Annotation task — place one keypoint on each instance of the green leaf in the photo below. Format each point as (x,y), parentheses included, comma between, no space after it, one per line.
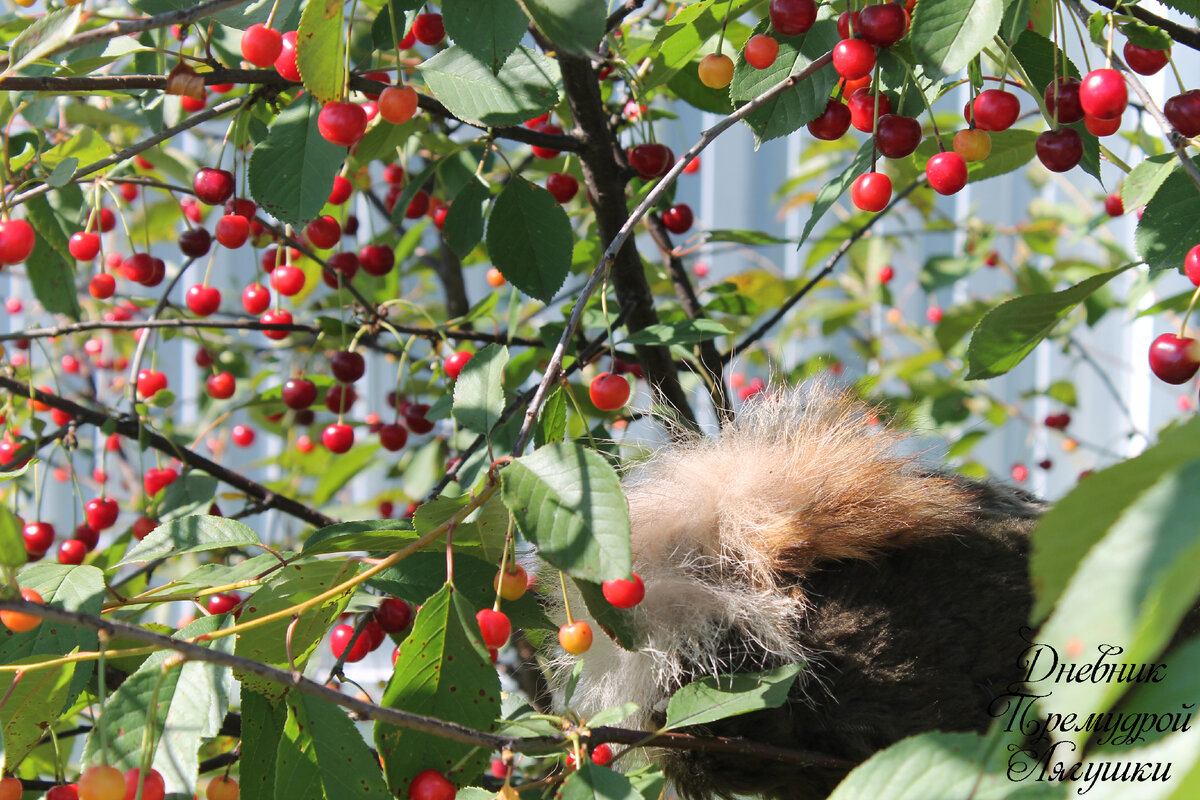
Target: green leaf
(33,701)
(684,332)
(591,782)
(442,670)
(617,623)
(342,469)
(192,699)
(185,496)
(244,15)
(413,185)
(745,237)
(576,26)
(50,268)
(710,699)
(292,171)
(297,776)
(687,87)
(1011,150)
(798,105)
(43,36)
(530,240)
(371,535)
(1038,56)
(1170,226)
(526,86)
(488,31)
(1132,589)
(683,36)
(834,189)
(1143,181)
(61,175)
(942,271)
(321,60)
(1011,330)
(1146,36)
(1077,522)
(288,587)
(945,766)
(479,390)
(262,729)
(946,34)
(551,427)
(12,543)
(567,499)
(194,534)
(345,767)
(463,226)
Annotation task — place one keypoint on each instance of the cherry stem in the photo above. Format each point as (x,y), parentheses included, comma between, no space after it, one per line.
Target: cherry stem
(271,16)
(721,38)
(1188,313)
(508,537)
(562,580)
(937,135)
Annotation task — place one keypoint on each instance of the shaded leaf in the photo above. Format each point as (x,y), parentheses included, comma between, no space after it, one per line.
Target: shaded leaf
(50,268)
(32,703)
(479,390)
(530,239)
(710,699)
(1170,226)
(488,31)
(366,534)
(685,332)
(463,226)
(946,34)
(576,26)
(292,170)
(526,86)
(194,534)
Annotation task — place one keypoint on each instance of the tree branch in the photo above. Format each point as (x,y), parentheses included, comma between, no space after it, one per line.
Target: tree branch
(130,428)
(1179,33)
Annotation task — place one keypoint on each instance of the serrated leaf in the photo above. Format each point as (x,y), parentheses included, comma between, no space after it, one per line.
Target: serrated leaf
(1144,180)
(591,782)
(526,86)
(1170,226)
(292,171)
(12,543)
(442,670)
(710,699)
(262,729)
(42,37)
(831,191)
(463,226)
(551,427)
(1010,332)
(489,31)
(567,499)
(257,12)
(946,34)
(33,701)
(295,583)
(192,699)
(321,50)
(194,534)
(50,269)
(798,105)
(345,767)
(684,332)
(576,26)
(348,465)
(186,495)
(61,174)
(297,776)
(479,390)
(530,239)
(367,534)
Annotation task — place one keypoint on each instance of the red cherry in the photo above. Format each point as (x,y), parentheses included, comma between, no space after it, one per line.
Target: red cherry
(338,438)
(1060,150)
(934,314)
(143,527)
(1174,359)
(72,551)
(203,300)
(288,280)
(418,205)
(242,435)
(609,392)
(650,160)
(195,242)
(1020,473)
(414,418)
(886,273)
(494,626)
(339,398)
(455,363)
(101,512)
(376,259)
(624,592)
(324,232)
(150,382)
(1062,100)
(882,24)
(221,385)
(343,124)
(1101,127)
(431,785)
(946,173)
(429,29)
(341,191)
(847,24)
(347,366)
(88,535)
(792,17)
(84,246)
(233,230)
(38,536)
(562,186)
(1145,61)
(339,641)
(853,58)
(1113,205)
(213,186)
(394,615)
(761,51)
(393,437)
(285,65)
(299,393)
(678,218)
(575,637)
(897,136)
(862,109)
(1102,94)
(155,479)
(1191,265)
(255,298)
(69,791)
(17,239)
(102,286)
(222,602)
(546,152)
(1183,112)
(871,192)
(996,109)
(833,122)
(1058,421)
(261,45)
(189,104)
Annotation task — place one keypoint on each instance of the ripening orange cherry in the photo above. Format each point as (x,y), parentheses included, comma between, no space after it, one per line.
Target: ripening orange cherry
(575,637)
(495,278)
(398,104)
(973,144)
(715,70)
(512,582)
(101,782)
(19,622)
(222,787)
(11,788)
